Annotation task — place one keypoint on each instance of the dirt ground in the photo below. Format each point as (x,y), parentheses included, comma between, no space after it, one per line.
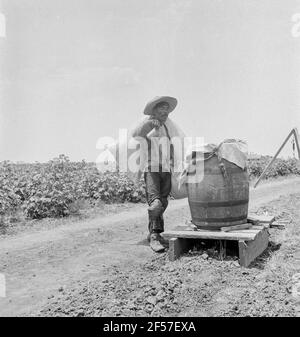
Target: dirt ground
(103,266)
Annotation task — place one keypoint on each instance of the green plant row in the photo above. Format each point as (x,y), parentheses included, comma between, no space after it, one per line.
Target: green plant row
(281,167)
(49,189)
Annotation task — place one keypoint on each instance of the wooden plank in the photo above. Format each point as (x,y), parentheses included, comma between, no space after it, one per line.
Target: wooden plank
(250,250)
(236,227)
(245,231)
(278,225)
(261,218)
(177,247)
(189,227)
(215,235)
(258,226)
(252,221)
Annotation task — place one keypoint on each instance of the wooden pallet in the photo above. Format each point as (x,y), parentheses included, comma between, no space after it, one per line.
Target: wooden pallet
(251,242)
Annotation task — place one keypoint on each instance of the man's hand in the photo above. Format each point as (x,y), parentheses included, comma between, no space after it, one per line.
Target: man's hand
(156,123)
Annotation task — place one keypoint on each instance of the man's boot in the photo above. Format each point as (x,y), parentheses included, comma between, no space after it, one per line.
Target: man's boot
(154,212)
(155,242)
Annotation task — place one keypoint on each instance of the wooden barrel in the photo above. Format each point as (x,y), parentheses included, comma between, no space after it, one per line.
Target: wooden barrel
(219,200)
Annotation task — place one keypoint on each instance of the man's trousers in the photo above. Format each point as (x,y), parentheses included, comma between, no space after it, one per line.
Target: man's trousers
(158,187)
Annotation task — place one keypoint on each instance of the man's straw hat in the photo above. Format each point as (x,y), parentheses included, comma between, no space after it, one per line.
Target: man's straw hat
(158,99)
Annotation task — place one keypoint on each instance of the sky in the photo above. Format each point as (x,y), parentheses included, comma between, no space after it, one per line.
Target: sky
(72,71)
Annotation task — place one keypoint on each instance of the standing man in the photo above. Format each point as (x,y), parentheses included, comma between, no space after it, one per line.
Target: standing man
(157,171)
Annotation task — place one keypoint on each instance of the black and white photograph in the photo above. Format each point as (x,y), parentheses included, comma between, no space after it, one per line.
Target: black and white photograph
(149,161)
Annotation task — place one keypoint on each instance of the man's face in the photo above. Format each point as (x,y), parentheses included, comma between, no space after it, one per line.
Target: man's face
(161,112)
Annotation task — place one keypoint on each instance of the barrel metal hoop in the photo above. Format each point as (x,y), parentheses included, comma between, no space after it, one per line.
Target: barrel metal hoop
(208,220)
(220,203)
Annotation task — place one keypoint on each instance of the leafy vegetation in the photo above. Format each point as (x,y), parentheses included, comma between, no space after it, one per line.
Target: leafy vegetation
(50,189)
(279,168)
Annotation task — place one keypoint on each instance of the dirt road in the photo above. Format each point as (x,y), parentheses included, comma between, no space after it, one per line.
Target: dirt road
(48,266)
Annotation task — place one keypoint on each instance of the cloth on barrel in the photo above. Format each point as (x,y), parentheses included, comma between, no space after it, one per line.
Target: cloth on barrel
(235,151)
(232,150)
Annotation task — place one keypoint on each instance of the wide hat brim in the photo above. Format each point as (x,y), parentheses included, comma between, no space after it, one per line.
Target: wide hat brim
(172,101)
